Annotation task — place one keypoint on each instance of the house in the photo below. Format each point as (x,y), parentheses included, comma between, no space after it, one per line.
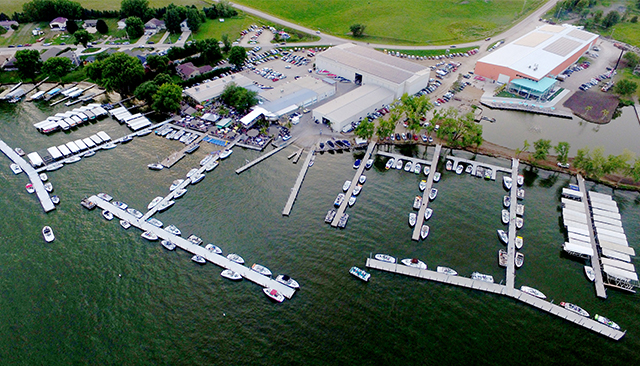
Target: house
(122,23)
(57,52)
(91,23)
(189,70)
(6,24)
(154,25)
(58,23)
(184,27)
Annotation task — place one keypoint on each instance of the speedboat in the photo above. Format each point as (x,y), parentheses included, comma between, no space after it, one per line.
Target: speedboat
(507,182)
(73,159)
(207,159)
(446,270)
(468,169)
(135,213)
(519,259)
(175,184)
(196,178)
(412,219)
(105,196)
(479,172)
(427,213)
(427,170)
(520,179)
(179,192)
(459,169)
(436,177)
(519,222)
(165,205)
(154,202)
(505,216)
(198,259)
(390,163)
(520,193)
(520,209)
(43,177)
(414,262)
(120,205)
(416,168)
(362,179)
(55,199)
(235,258)
(331,145)
(193,239)
(369,164)
(482,277)
(342,223)
(47,232)
(422,185)
(173,230)
(339,200)
(506,201)
(108,146)
(352,201)
(321,145)
(107,215)
(503,236)
(225,153)
(357,189)
(346,185)
(155,222)
(54,166)
(273,294)
(19,151)
(590,273)
(288,281)
(89,154)
(29,188)
(502,258)
(385,258)
(433,193)
(424,231)
(125,224)
(575,308)
(519,242)
(346,143)
(231,275)
(357,163)
(407,166)
(417,202)
(330,215)
(192,172)
(448,165)
(15,168)
(143,133)
(213,248)
(533,292)
(48,187)
(359,273)
(398,164)
(126,139)
(168,245)
(86,203)
(607,322)
(155,166)
(261,269)
(487,173)
(149,236)
(210,166)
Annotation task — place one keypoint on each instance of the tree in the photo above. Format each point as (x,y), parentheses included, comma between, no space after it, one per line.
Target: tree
(612,18)
(45,10)
(118,72)
(365,129)
(225,9)
(357,29)
(158,63)
(632,59)
(146,91)
(173,17)
(562,150)
(227,43)
(168,98)
(82,36)
(635,170)
(57,67)
(135,8)
(71,26)
(414,109)
(238,97)
(162,79)
(387,126)
(597,16)
(28,63)
(102,27)
(459,131)
(237,56)
(134,28)
(582,161)
(625,87)
(541,147)
(194,18)
(210,51)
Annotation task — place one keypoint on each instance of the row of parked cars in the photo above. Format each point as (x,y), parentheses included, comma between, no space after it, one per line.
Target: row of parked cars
(436,57)
(297,60)
(595,81)
(269,73)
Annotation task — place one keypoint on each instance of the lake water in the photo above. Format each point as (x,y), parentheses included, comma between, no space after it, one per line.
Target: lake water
(102,295)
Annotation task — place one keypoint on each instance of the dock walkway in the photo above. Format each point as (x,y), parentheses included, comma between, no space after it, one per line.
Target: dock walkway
(511,246)
(187,246)
(425,195)
(178,155)
(265,156)
(347,194)
(404,158)
(475,164)
(551,308)
(296,187)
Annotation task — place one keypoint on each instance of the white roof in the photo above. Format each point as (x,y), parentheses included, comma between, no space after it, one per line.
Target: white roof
(616,255)
(89,142)
(571,193)
(213,88)
(35,159)
(54,152)
(569,247)
(351,103)
(103,135)
(618,264)
(251,116)
(540,51)
(619,273)
(64,150)
(80,144)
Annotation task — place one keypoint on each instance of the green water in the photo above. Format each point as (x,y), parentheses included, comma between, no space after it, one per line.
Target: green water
(101,295)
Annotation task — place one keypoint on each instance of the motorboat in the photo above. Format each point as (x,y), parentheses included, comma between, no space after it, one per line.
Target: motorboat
(487,173)
(575,308)
(261,269)
(173,230)
(433,193)
(417,202)
(213,248)
(179,192)
(448,165)
(414,262)
(125,224)
(357,189)
(120,205)
(29,188)
(104,196)
(43,177)
(330,215)
(506,201)
(502,258)
(369,164)
(436,177)
(273,294)
(446,270)
(88,154)
(424,231)
(533,292)
(149,236)
(288,281)
(507,182)
(412,219)
(15,168)
(225,153)
(519,242)
(427,170)
(47,232)
(459,169)
(416,168)
(342,223)
(126,139)
(520,209)
(590,273)
(385,258)
(482,277)
(607,322)
(359,273)
(196,178)
(362,179)
(479,172)
(519,222)
(154,202)
(331,145)
(211,165)
(135,213)
(357,163)
(108,146)
(73,159)
(107,215)
(321,146)
(198,259)
(235,258)
(88,204)
(407,166)
(520,180)
(54,166)
(399,164)
(352,201)
(193,239)
(504,237)
(208,158)
(519,259)
(390,163)
(468,169)
(231,275)
(192,172)
(165,205)
(55,199)
(143,133)
(520,193)
(175,184)
(48,187)
(168,245)
(155,166)
(339,200)
(346,185)
(155,222)
(505,216)
(346,143)
(427,213)
(422,185)
(19,151)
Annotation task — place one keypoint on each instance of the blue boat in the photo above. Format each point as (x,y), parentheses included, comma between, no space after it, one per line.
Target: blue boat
(357,163)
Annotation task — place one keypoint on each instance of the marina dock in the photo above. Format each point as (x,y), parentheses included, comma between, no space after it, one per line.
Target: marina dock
(511,244)
(475,164)
(349,192)
(172,159)
(404,158)
(265,156)
(495,288)
(425,195)
(187,246)
(296,187)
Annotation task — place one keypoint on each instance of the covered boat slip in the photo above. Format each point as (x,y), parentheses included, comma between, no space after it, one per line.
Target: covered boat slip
(73,147)
(615,255)
(71,118)
(89,142)
(606,227)
(64,150)
(613,239)
(609,214)
(619,264)
(607,220)
(573,205)
(578,250)
(54,152)
(35,159)
(606,206)
(96,139)
(617,247)
(80,144)
(568,215)
(570,193)
(103,135)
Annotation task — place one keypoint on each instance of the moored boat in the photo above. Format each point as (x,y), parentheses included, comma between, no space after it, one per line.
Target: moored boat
(273,294)
(330,215)
(104,196)
(533,292)
(213,248)
(459,169)
(231,275)
(385,258)
(448,165)
(446,270)
(19,151)
(390,163)
(412,219)
(590,273)
(48,187)
(436,177)
(107,215)
(342,223)
(575,308)
(198,259)
(192,172)
(519,222)
(173,230)
(288,281)
(607,322)
(155,222)
(357,163)
(519,242)
(487,173)
(352,201)
(15,168)
(346,185)
(155,166)
(468,169)
(414,262)
(520,193)
(54,166)
(29,188)
(520,179)
(479,172)
(416,168)
(339,199)
(417,202)
(179,192)
(357,189)
(506,201)
(507,182)
(165,205)
(359,273)
(149,236)
(135,213)
(210,166)
(505,216)
(369,164)
(196,178)
(193,239)
(168,245)
(502,258)
(88,154)
(86,203)
(424,231)
(427,170)
(433,193)
(407,166)
(519,209)
(154,202)
(73,159)
(235,258)
(427,213)
(482,277)
(55,199)
(261,269)
(504,238)
(120,205)
(43,177)
(362,179)
(175,184)
(422,185)
(399,164)
(225,153)
(519,259)
(47,232)
(125,224)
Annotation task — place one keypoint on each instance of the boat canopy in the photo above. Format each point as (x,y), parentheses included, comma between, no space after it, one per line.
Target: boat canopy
(619,264)
(80,144)
(64,150)
(89,142)
(96,139)
(620,273)
(615,255)
(617,247)
(103,135)
(35,159)
(606,220)
(73,147)
(600,196)
(577,250)
(54,152)
(572,194)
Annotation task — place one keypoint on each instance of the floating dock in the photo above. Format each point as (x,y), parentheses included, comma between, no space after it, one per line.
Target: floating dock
(425,196)
(296,187)
(265,156)
(475,164)
(172,159)
(511,243)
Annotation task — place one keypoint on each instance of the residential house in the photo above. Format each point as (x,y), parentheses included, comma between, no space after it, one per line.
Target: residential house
(154,25)
(184,27)
(122,23)
(6,24)
(189,70)
(90,23)
(58,23)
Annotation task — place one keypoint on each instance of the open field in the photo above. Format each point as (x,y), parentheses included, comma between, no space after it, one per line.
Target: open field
(11,6)
(438,52)
(230,26)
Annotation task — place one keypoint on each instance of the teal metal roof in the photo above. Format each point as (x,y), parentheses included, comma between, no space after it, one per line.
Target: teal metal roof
(536,86)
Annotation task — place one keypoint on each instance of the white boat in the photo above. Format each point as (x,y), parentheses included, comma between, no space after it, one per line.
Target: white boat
(446,270)
(519,259)
(273,294)
(55,199)
(399,164)
(357,189)
(235,258)
(107,215)
(165,205)
(519,242)
(54,166)
(507,182)
(104,196)
(196,178)
(120,205)
(342,223)
(225,153)
(47,232)
(482,277)
(468,169)
(198,259)
(362,179)
(385,258)
(43,177)
(520,209)
(390,163)
(436,177)
(19,151)
(487,173)
(369,164)
(149,236)
(506,201)
(231,275)
(427,213)
(459,169)
(352,201)
(590,273)
(356,164)
(575,308)
(414,262)
(520,193)
(427,170)
(433,193)
(505,216)
(288,281)
(210,166)
(504,238)
(175,184)
(213,248)
(422,185)
(155,166)
(412,219)
(520,179)
(359,273)
(88,154)
(194,239)
(125,224)
(74,159)
(502,258)
(155,222)
(339,199)
(154,202)
(416,168)
(448,165)
(417,202)
(168,245)
(135,213)
(208,158)
(330,215)
(173,230)
(179,192)
(192,172)
(346,185)
(108,146)
(407,166)
(607,322)
(424,231)
(519,222)
(533,292)
(48,187)
(29,188)
(15,168)
(261,269)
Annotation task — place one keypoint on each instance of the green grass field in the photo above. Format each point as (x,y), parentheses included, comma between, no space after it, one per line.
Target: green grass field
(442,51)
(231,26)
(11,6)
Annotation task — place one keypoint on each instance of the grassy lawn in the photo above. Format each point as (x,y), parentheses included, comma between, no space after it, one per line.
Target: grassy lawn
(439,52)
(627,74)
(11,6)
(212,28)
(156,37)
(173,38)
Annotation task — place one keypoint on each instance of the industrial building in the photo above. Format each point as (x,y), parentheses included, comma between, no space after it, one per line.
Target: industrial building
(206,92)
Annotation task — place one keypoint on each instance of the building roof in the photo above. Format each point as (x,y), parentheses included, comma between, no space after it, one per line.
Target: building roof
(213,89)
(186,69)
(347,105)
(59,20)
(8,23)
(91,22)
(537,86)
(540,51)
(291,95)
(153,22)
(373,62)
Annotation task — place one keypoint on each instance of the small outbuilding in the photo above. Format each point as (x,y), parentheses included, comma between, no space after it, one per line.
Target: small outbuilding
(58,23)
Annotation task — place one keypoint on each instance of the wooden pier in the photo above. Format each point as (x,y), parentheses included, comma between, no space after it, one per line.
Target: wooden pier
(404,158)
(263,157)
(498,289)
(349,191)
(296,187)
(178,155)
(475,164)
(186,245)
(425,195)
(511,246)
